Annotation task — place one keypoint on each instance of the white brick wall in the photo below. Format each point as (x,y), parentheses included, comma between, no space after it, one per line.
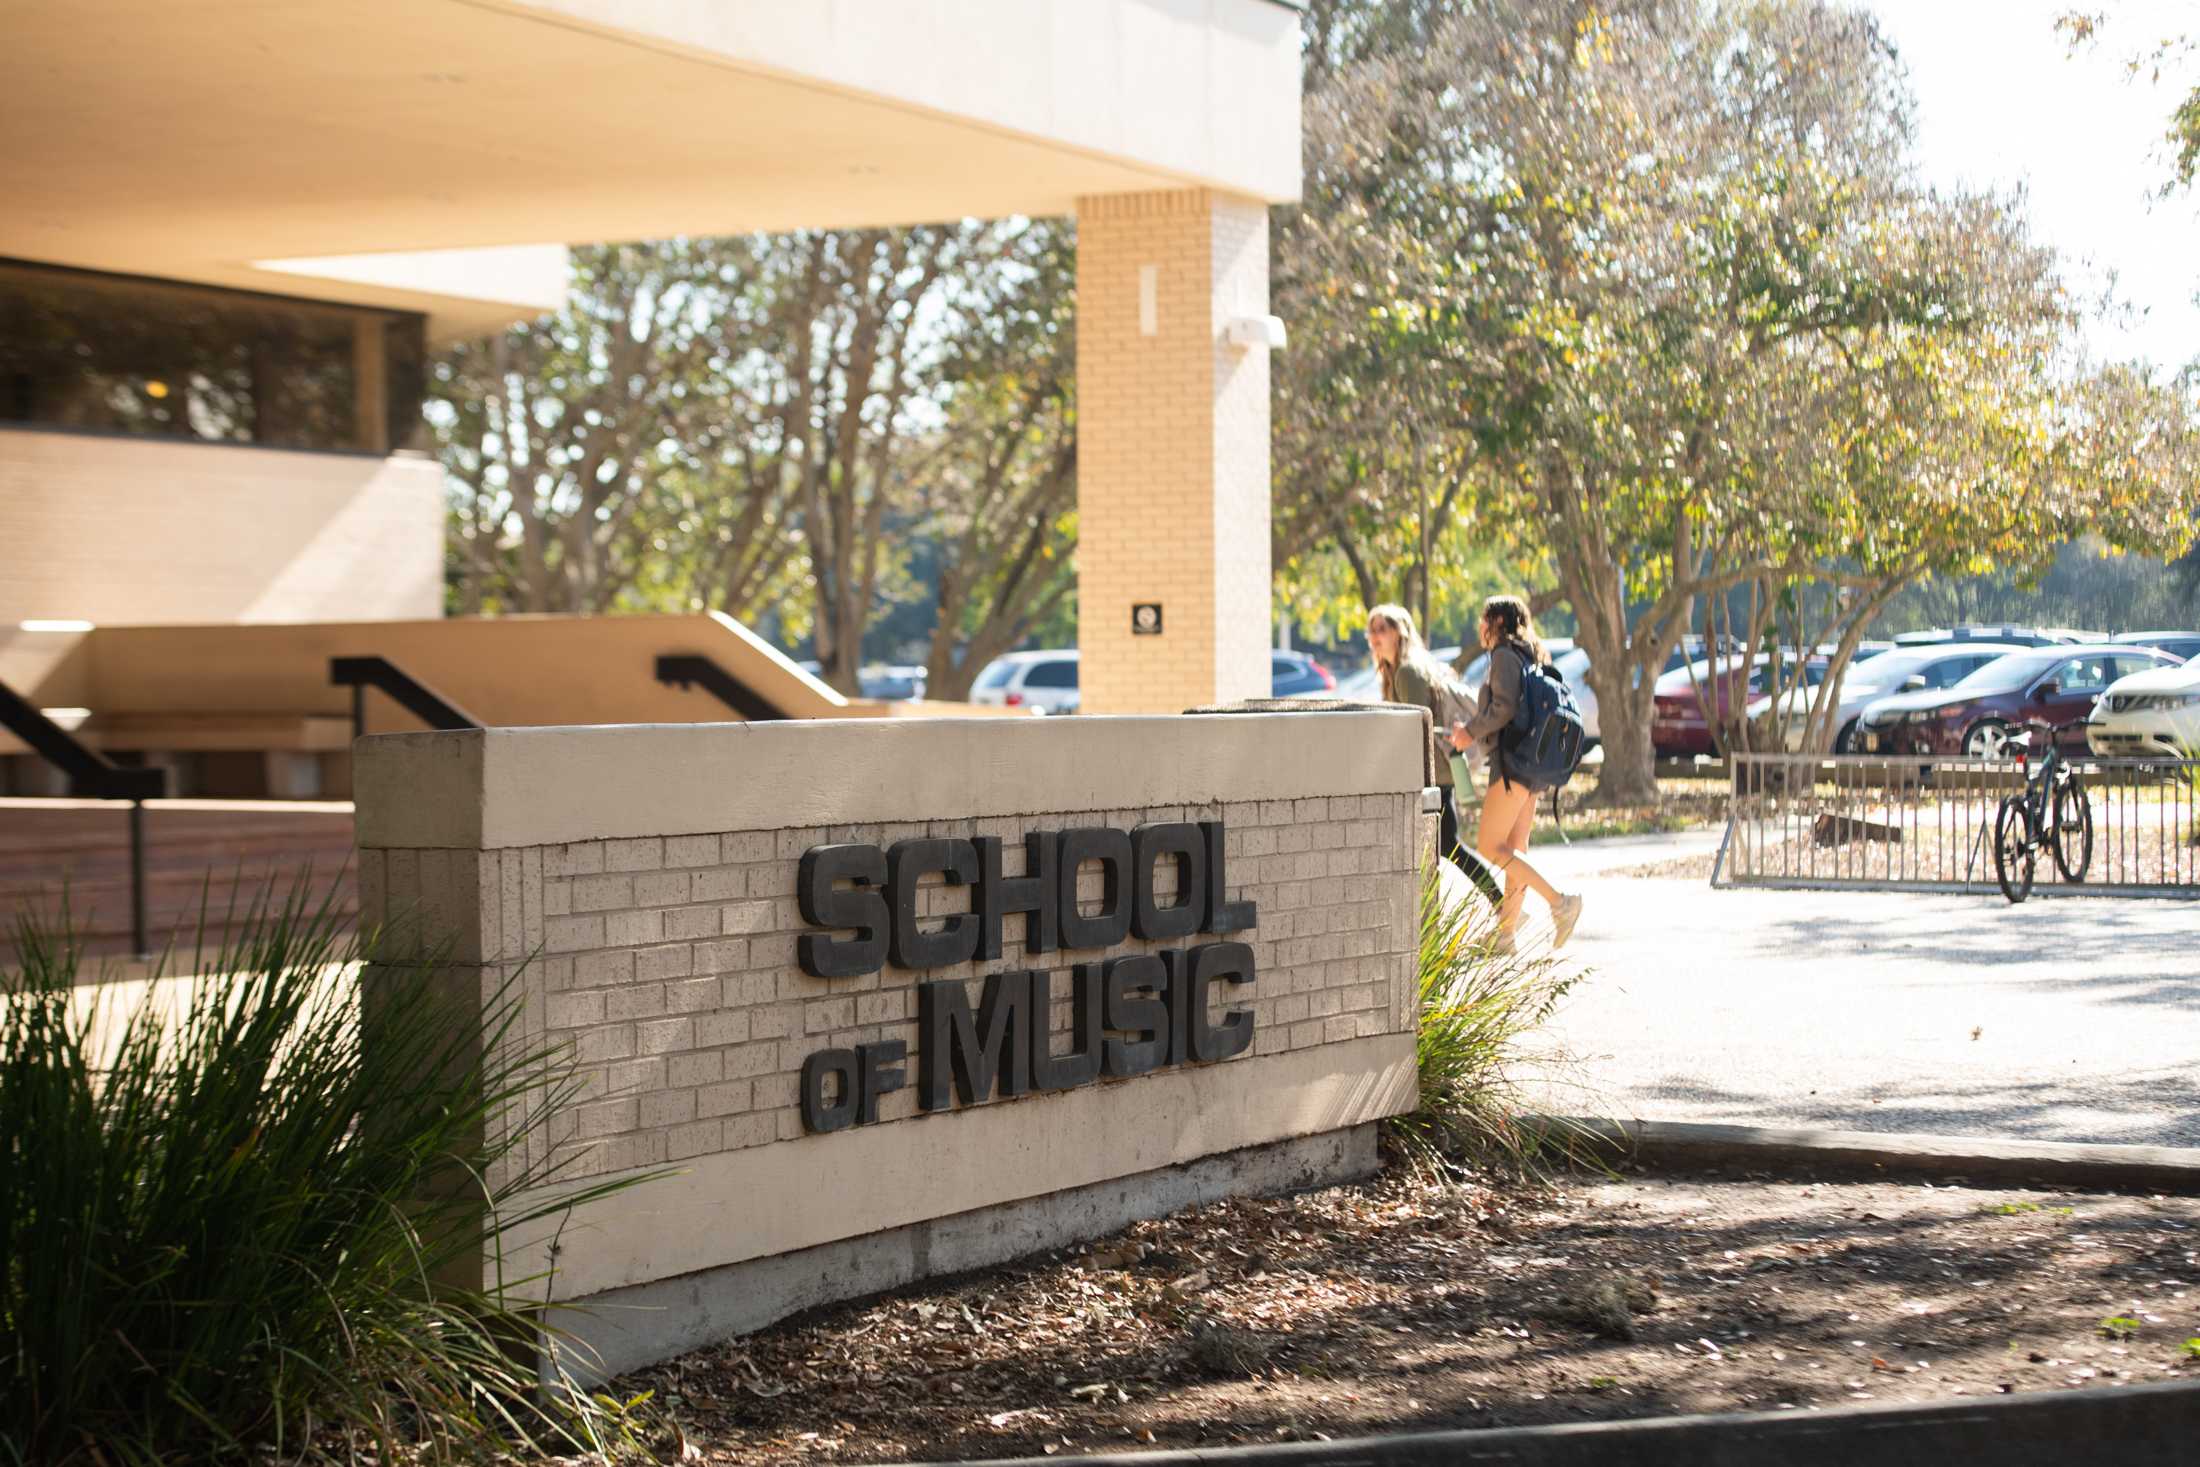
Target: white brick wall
(668,962)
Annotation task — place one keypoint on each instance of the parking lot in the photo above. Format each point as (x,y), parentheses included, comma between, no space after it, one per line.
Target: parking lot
(2073,1019)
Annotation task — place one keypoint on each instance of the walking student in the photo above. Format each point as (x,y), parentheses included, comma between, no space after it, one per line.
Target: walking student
(1508,804)
(1412,675)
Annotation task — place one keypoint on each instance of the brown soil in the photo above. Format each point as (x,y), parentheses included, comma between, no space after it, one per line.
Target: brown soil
(1402,1305)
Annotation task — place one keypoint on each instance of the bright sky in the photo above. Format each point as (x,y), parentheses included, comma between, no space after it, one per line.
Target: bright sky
(2002,101)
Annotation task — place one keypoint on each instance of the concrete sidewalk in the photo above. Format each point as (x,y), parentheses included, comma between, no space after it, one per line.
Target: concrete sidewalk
(1563,863)
(2069,1020)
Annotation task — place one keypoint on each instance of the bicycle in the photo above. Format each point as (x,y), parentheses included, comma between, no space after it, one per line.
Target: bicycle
(2053,810)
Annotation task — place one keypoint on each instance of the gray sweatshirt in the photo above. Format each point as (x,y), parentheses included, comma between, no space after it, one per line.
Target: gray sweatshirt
(1499,697)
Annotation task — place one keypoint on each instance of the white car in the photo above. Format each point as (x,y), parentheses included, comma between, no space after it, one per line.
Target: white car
(1905,670)
(2185,645)
(1366,685)
(2149,715)
(1046,681)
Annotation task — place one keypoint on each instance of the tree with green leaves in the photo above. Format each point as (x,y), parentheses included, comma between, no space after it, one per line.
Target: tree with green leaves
(2172,57)
(1374,452)
(768,424)
(610,456)
(1686,324)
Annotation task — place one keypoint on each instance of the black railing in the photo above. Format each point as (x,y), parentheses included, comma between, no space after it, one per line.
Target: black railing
(687,669)
(92,776)
(407,691)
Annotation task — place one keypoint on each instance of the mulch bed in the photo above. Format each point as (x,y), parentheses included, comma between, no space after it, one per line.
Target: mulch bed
(1402,1304)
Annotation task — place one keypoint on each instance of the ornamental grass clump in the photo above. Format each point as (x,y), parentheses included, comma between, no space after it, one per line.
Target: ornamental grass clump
(228,1225)
(1478,1005)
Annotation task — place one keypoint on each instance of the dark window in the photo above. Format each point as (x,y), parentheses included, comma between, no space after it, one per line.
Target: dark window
(2128,664)
(1954,670)
(2084,675)
(1061,674)
(116,354)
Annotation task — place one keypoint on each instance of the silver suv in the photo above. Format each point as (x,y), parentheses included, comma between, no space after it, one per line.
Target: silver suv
(1042,680)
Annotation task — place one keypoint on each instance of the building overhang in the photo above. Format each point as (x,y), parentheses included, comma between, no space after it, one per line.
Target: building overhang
(311,149)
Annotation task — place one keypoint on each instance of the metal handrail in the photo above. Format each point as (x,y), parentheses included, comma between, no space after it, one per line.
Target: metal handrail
(689,669)
(411,694)
(92,776)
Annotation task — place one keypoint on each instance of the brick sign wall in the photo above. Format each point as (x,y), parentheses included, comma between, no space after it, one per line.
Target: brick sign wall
(671,961)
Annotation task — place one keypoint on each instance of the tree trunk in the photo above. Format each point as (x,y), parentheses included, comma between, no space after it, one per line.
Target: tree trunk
(1629,773)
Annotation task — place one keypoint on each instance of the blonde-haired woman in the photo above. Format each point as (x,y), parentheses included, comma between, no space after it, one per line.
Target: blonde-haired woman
(1508,808)
(1412,675)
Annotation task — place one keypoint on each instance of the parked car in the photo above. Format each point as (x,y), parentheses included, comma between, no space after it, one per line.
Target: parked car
(2177,644)
(2012,636)
(1690,648)
(1366,685)
(1908,670)
(1678,727)
(891,681)
(1296,675)
(2052,685)
(2153,714)
(1363,686)
(1043,680)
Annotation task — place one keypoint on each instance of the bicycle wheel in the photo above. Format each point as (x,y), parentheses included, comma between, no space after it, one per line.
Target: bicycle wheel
(2015,852)
(2072,836)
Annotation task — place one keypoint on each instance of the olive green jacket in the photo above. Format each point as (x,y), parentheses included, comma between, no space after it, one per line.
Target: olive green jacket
(1445,703)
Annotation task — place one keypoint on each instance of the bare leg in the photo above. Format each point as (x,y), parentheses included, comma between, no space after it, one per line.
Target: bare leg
(1520,870)
(1508,810)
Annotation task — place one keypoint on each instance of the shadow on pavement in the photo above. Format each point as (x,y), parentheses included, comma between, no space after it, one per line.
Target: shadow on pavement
(2161,1107)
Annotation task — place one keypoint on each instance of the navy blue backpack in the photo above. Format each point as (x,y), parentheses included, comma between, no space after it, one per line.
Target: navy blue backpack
(1542,746)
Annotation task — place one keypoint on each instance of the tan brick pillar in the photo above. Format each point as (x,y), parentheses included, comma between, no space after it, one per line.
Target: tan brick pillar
(1172,450)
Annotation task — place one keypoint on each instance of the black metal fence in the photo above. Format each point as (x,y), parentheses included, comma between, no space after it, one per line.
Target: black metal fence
(1927,824)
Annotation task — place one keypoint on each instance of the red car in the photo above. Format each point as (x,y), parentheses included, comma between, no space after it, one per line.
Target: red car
(1678,728)
(2051,685)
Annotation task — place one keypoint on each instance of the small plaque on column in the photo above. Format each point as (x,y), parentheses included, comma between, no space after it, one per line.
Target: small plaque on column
(1146,619)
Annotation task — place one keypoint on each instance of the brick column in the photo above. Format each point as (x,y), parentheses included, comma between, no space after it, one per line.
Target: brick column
(1172,450)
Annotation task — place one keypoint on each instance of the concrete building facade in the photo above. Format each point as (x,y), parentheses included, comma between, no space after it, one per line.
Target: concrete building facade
(426,159)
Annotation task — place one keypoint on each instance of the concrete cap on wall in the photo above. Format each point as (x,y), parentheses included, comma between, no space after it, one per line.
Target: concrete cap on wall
(499,788)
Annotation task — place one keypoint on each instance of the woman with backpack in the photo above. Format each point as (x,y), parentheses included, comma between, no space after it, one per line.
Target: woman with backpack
(1508,804)
(1412,675)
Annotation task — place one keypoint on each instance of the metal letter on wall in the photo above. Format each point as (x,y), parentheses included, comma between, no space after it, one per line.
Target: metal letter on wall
(1035,894)
(1081,1066)
(1112,923)
(1134,1006)
(1150,846)
(957,940)
(974,1055)
(861,907)
(1129,1015)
